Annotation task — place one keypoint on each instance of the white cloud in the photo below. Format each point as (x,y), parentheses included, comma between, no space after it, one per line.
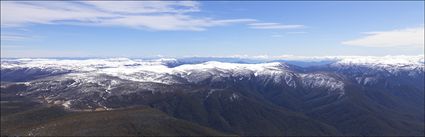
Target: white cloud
(274,26)
(409,37)
(146,6)
(170,22)
(13,37)
(155,15)
(20,13)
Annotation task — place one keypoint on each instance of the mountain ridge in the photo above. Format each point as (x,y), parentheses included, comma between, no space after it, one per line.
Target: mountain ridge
(235,98)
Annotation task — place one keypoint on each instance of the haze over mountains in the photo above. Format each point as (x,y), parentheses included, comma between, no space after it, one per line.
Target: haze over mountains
(217,96)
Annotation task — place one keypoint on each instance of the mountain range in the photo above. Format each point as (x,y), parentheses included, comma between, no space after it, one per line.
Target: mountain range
(349,96)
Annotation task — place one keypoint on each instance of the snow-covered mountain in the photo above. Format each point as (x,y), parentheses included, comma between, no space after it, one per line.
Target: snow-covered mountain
(392,64)
(342,93)
(102,78)
(158,71)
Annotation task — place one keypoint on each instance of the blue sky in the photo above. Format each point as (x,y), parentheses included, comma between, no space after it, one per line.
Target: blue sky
(210,28)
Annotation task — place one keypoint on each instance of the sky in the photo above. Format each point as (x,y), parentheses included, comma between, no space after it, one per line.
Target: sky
(211,28)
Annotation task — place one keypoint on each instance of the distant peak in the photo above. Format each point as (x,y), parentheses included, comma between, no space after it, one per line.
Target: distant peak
(385,60)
